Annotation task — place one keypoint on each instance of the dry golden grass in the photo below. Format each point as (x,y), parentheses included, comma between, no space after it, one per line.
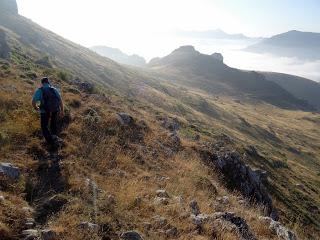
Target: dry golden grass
(130,170)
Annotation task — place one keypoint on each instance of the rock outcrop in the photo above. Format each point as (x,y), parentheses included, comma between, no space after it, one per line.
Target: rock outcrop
(7,169)
(218,56)
(89,226)
(239,176)
(131,235)
(9,6)
(239,224)
(278,229)
(125,119)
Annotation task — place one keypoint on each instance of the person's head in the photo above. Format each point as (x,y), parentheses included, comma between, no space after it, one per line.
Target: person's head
(45,80)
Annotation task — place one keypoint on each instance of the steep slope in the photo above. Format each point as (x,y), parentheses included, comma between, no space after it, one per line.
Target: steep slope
(305,45)
(301,88)
(212,75)
(80,61)
(120,57)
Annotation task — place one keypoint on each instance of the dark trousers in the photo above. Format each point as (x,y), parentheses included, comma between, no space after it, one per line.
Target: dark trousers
(46,131)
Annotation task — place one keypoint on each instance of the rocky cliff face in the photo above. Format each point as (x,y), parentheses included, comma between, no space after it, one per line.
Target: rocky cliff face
(218,56)
(9,6)
(239,176)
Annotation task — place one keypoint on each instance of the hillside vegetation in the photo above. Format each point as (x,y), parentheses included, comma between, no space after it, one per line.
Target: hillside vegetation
(300,87)
(148,150)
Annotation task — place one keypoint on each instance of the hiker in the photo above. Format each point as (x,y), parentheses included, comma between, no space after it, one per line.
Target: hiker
(48,101)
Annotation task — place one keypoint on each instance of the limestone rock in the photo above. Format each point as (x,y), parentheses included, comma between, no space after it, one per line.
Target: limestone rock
(240,224)
(30,222)
(179,199)
(162,193)
(281,231)
(172,232)
(28,210)
(161,200)
(172,125)
(159,222)
(200,219)
(111,200)
(30,233)
(125,119)
(89,226)
(278,229)
(176,141)
(84,85)
(223,200)
(9,170)
(240,176)
(194,207)
(48,234)
(131,235)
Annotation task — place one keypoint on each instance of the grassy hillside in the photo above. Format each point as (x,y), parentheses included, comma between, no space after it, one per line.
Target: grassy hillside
(300,87)
(127,164)
(109,173)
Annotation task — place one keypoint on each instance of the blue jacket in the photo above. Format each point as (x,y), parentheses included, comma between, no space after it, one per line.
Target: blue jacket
(37,97)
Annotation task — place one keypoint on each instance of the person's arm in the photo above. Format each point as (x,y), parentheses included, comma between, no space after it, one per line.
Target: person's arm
(35,99)
(34,105)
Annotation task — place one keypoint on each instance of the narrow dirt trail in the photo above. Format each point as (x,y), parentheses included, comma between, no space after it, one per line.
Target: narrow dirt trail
(44,186)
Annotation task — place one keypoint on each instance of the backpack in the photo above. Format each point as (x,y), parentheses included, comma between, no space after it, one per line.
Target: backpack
(50,100)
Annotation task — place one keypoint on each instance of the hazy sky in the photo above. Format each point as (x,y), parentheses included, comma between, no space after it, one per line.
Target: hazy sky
(145,27)
(102,21)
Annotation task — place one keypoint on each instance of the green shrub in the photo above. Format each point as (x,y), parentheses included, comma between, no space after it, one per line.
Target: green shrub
(64,76)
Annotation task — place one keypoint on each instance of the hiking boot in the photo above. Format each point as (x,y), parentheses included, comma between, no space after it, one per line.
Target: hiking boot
(57,141)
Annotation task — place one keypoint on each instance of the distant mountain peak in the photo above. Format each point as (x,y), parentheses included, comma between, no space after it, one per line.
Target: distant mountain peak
(9,6)
(117,55)
(212,34)
(186,48)
(303,45)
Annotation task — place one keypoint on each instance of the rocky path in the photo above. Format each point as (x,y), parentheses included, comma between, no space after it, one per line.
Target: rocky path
(43,190)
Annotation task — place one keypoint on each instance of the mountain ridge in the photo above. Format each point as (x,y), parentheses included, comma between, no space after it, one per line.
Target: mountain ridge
(222,78)
(213,34)
(305,45)
(300,87)
(120,57)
